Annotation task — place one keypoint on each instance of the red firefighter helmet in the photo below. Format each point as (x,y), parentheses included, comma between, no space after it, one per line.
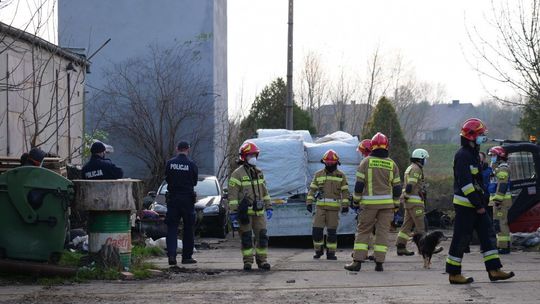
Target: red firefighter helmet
(364,147)
(330,158)
(499,151)
(379,141)
(472,128)
(248,148)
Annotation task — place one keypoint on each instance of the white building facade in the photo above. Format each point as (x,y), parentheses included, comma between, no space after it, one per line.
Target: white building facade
(41,96)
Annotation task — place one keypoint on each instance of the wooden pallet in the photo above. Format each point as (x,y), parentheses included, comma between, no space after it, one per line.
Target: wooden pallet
(55,164)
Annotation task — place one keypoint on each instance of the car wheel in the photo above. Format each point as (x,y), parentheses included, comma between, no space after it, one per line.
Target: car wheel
(223,229)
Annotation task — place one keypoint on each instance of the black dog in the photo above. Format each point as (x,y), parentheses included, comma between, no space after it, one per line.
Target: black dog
(427,245)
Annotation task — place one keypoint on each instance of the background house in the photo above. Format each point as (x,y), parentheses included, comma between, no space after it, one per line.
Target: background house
(443,122)
(340,117)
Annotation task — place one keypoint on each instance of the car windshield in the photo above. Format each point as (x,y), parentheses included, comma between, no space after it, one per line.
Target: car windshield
(205,187)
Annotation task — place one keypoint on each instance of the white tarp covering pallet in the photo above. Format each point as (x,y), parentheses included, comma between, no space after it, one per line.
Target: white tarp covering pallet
(345,146)
(284,165)
(306,137)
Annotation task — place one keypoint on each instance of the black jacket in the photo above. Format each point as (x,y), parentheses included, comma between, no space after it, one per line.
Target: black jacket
(98,168)
(181,175)
(468,180)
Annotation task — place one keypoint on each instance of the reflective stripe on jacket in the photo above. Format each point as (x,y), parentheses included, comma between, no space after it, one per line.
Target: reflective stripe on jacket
(329,189)
(379,176)
(248,182)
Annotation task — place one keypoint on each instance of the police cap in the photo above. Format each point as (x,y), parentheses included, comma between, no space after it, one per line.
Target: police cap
(97,147)
(36,154)
(183,145)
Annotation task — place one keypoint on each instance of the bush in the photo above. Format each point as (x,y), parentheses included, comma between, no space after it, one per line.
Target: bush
(440,193)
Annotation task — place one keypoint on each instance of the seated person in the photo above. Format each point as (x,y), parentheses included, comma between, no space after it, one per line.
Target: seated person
(99,167)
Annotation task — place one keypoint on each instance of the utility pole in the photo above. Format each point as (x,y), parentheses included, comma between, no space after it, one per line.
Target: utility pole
(289,102)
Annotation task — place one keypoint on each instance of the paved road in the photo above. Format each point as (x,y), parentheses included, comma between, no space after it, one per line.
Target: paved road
(297,278)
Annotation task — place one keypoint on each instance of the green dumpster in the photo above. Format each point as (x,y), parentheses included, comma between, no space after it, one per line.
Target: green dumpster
(33,214)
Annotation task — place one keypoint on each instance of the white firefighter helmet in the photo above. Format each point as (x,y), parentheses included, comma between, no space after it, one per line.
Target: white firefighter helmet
(420,153)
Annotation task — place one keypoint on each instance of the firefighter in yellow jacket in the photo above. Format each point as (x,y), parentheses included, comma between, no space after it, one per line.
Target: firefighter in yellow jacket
(377,190)
(501,199)
(330,192)
(248,202)
(413,199)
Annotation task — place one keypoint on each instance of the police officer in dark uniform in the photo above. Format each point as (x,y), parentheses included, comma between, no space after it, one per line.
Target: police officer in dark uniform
(33,158)
(181,175)
(99,167)
(470,209)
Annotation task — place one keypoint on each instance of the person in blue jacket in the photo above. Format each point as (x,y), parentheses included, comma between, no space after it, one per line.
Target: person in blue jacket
(470,207)
(99,167)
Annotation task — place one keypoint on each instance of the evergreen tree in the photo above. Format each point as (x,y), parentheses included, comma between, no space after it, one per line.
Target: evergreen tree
(530,121)
(384,119)
(268,111)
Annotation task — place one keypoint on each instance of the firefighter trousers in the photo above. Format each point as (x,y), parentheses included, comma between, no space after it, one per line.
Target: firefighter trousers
(414,218)
(369,218)
(500,213)
(254,239)
(465,222)
(329,218)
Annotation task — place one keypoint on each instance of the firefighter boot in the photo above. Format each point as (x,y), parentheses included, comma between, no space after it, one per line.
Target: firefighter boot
(459,279)
(504,250)
(499,275)
(318,253)
(378,266)
(247,266)
(402,250)
(263,266)
(331,256)
(354,266)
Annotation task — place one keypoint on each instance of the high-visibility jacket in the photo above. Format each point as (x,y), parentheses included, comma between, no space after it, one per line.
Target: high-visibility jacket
(501,177)
(468,181)
(414,186)
(381,183)
(248,182)
(329,190)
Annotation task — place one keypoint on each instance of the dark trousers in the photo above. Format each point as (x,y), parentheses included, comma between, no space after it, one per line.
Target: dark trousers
(467,221)
(180,207)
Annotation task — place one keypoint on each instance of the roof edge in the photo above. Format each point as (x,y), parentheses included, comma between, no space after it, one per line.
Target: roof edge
(19,34)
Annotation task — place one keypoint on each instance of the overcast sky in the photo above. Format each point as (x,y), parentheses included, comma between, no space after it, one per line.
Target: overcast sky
(430,35)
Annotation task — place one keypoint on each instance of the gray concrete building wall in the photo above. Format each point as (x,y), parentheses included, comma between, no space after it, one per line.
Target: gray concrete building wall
(134,25)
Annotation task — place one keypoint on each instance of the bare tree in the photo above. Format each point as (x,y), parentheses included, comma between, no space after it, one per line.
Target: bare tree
(341,95)
(375,85)
(512,57)
(313,87)
(156,100)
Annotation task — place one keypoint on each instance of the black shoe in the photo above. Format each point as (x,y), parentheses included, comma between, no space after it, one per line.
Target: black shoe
(504,250)
(378,266)
(172,261)
(264,266)
(189,261)
(247,266)
(331,256)
(318,254)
